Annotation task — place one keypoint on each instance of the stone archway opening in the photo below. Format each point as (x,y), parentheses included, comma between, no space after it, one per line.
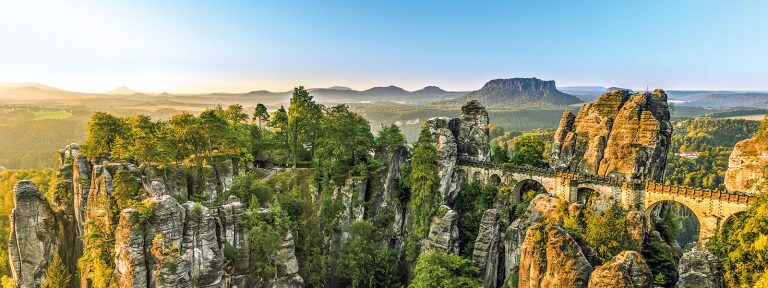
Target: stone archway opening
(730,222)
(494,180)
(586,196)
(525,190)
(676,223)
(477,176)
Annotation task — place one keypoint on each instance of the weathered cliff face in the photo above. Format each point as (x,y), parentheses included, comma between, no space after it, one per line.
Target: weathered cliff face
(200,247)
(385,190)
(549,257)
(618,134)
(465,138)
(746,166)
(626,270)
(288,266)
(443,232)
(130,256)
(474,139)
(700,269)
(232,231)
(489,250)
(541,209)
(33,235)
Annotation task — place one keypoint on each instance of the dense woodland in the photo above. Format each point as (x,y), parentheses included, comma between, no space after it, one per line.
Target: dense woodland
(332,145)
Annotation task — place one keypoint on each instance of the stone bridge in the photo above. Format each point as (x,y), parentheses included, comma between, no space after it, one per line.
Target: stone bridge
(712,208)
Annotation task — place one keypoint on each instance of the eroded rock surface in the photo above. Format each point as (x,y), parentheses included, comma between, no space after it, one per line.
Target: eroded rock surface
(201,246)
(33,235)
(474,139)
(130,257)
(700,269)
(618,134)
(549,257)
(488,249)
(541,209)
(444,131)
(746,166)
(626,270)
(443,232)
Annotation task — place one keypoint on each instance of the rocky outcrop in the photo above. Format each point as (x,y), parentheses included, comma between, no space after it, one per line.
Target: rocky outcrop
(700,269)
(746,166)
(618,134)
(352,195)
(626,270)
(130,257)
(232,231)
(33,235)
(541,209)
(549,257)
(488,249)
(287,266)
(201,247)
(443,232)
(518,91)
(474,138)
(637,226)
(165,232)
(173,178)
(444,132)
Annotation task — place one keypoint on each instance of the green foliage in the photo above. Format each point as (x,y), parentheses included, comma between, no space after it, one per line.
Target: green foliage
(390,138)
(231,253)
(425,198)
(500,154)
(743,246)
(249,185)
(104,134)
(438,269)
(57,275)
(345,144)
(265,238)
(128,190)
(363,263)
(606,232)
(96,263)
(527,150)
(662,263)
(713,139)
(304,116)
(472,201)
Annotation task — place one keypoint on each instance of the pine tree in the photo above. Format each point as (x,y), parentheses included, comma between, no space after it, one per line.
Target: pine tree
(57,275)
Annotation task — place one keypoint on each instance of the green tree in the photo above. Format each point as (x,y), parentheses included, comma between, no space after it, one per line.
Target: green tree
(266,239)
(438,269)
(304,117)
(346,142)
(500,153)
(186,137)
(128,190)
(363,263)
(57,275)
(260,114)
(390,139)
(606,232)
(424,202)
(104,134)
(527,150)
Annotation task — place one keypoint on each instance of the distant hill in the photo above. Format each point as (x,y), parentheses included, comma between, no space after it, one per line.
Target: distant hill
(122,90)
(731,99)
(518,91)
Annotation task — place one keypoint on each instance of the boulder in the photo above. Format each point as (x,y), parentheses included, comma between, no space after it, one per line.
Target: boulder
(700,269)
(201,246)
(626,270)
(130,259)
(746,166)
(33,235)
(443,232)
(550,257)
(488,248)
(618,134)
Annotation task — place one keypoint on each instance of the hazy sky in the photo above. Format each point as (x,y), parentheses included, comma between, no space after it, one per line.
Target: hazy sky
(182,46)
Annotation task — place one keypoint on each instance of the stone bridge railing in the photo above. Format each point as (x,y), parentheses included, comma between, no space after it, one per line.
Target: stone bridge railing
(649,186)
(716,194)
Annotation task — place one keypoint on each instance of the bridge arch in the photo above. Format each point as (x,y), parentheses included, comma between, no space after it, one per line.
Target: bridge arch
(525,185)
(494,180)
(691,227)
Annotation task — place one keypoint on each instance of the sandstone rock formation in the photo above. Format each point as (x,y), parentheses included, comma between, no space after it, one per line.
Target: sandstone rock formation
(473,141)
(444,133)
(541,209)
(700,269)
(443,232)
(637,226)
(746,166)
(287,267)
(549,257)
(626,270)
(130,257)
(488,249)
(232,231)
(618,134)
(201,246)
(33,235)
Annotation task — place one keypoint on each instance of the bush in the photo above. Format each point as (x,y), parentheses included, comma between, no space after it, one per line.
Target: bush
(438,269)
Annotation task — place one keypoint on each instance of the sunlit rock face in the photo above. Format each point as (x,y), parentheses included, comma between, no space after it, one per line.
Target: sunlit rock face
(130,257)
(443,232)
(473,135)
(550,257)
(746,166)
(618,134)
(543,208)
(33,235)
(626,270)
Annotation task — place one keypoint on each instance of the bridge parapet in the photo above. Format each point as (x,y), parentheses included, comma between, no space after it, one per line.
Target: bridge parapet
(716,194)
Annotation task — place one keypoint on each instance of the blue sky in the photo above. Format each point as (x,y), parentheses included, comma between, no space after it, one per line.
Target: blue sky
(184,46)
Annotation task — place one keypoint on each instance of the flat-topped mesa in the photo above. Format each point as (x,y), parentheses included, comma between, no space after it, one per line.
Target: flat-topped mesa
(619,134)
